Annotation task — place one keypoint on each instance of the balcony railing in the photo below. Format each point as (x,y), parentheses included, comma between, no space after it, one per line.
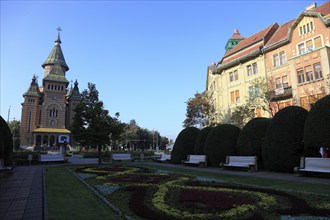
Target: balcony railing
(281,94)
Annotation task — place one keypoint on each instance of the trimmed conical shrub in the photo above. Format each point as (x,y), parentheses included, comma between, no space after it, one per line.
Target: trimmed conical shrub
(220,143)
(6,140)
(184,144)
(317,128)
(200,142)
(283,145)
(252,137)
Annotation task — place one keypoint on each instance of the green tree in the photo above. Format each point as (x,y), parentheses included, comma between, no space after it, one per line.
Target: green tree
(92,124)
(14,126)
(200,111)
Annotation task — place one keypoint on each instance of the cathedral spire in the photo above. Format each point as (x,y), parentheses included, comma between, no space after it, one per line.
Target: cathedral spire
(56,55)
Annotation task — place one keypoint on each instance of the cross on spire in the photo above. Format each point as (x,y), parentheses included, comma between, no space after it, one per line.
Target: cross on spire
(59,29)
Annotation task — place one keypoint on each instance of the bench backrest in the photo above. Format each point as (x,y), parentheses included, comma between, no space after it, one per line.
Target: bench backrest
(121,156)
(317,163)
(196,158)
(242,159)
(44,157)
(165,156)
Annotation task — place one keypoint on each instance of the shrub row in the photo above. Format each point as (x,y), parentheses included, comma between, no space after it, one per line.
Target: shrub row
(278,143)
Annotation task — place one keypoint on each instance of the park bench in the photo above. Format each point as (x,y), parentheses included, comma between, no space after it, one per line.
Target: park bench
(249,162)
(199,160)
(51,158)
(121,157)
(313,164)
(164,158)
(3,169)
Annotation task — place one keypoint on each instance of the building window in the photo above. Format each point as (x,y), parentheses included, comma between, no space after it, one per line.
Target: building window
(317,42)
(309,45)
(318,71)
(301,48)
(235,75)
(312,26)
(300,28)
(285,81)
(255,68)
(276,60)
(278,83)
(282,58)
(231,77)
(234,96)
(249,70)
(309,73)
(301,77)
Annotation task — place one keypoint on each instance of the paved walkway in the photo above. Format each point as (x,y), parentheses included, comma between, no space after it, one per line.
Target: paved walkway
(22,192)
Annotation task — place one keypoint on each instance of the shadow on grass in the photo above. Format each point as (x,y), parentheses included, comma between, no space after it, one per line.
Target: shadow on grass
(68,198)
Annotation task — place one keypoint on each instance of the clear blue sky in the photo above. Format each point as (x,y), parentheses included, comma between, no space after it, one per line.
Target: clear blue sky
(147,58)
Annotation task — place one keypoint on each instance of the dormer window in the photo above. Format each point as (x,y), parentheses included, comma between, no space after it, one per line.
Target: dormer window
(306,28)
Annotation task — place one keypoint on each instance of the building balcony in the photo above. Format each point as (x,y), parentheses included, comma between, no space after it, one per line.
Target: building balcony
(281,94)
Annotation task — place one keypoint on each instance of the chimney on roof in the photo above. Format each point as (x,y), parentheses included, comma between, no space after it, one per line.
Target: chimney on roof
(310,7)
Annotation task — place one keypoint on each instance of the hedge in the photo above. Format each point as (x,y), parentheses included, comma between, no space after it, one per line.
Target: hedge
(200,142)
(6,140)
(184,144)
(221,142)
(317,128)
(251,138)
(283,145)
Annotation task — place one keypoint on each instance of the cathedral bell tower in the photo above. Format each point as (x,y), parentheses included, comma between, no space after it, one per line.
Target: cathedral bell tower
(45,119)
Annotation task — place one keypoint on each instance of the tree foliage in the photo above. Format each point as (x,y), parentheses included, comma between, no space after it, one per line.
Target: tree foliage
(221,142)
(200,142)
(200,111)
(184,144)
(14,126)
(283,145)
(317,127)
(251,138)
(92,124)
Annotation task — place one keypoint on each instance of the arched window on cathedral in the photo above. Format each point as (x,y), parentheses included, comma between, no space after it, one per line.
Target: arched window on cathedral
(53,113)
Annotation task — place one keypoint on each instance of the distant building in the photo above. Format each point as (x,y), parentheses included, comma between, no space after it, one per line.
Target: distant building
(47,110)
(298,59)
(294,58)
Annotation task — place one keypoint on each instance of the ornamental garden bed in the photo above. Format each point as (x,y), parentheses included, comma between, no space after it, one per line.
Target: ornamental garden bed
(143,193)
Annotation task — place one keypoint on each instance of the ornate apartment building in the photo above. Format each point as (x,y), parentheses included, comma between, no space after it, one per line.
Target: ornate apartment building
(293,59)
(47,110)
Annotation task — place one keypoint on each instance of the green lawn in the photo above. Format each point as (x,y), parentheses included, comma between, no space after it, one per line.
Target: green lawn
(253,181)
(68,198)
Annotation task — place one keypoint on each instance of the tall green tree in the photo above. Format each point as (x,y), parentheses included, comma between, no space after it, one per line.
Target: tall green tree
(14,126)
(92,124)
(200,111)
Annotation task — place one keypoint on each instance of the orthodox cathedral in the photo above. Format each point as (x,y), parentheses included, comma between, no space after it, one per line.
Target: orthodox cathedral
(47,110)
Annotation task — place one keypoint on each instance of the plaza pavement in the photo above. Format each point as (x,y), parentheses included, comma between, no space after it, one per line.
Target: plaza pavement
(22,193)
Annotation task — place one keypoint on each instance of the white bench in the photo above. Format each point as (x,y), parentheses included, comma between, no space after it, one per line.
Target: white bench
(164,158)
(51,158)
(121,157)
(313,164)
(249,162)
(3,167)
(200,160)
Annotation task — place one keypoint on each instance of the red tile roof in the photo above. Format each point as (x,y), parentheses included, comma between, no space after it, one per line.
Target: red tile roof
(249,41)
(323,9)
(280,34)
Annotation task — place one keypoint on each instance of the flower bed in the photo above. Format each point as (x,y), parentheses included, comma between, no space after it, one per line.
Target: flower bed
(147,194)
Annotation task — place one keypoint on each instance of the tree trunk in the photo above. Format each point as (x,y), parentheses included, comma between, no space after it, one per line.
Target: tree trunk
(99,148)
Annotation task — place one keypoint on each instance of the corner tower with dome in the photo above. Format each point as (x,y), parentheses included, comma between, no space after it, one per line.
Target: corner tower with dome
(48,109)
